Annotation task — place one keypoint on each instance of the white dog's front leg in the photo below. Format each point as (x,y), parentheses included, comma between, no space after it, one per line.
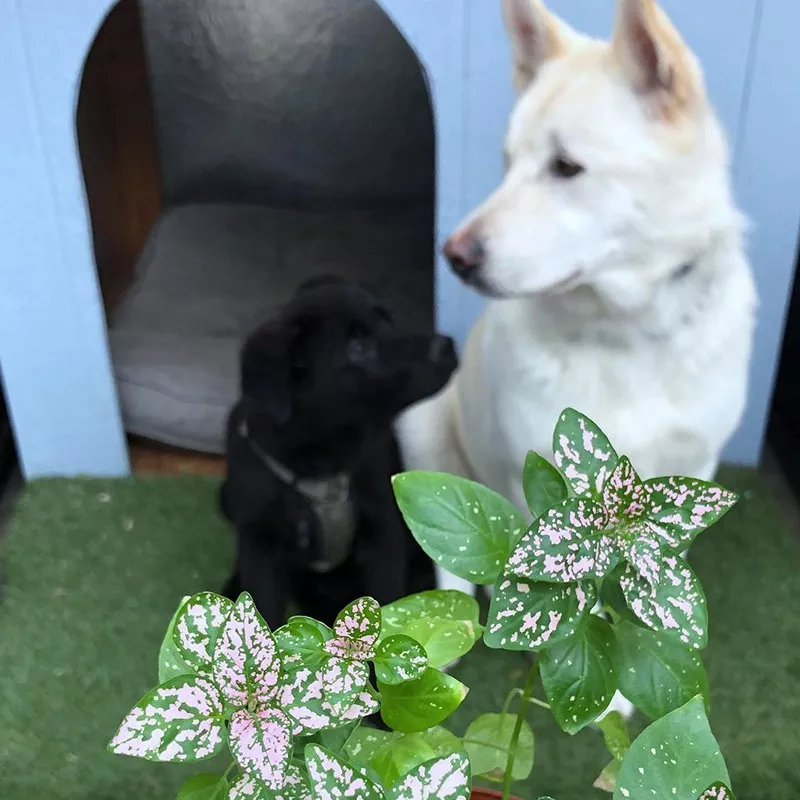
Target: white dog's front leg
(446,580)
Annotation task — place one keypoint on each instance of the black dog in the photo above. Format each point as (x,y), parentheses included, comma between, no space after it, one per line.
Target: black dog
(311,452)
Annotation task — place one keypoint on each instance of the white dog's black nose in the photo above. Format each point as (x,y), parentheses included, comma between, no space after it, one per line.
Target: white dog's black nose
(466,255)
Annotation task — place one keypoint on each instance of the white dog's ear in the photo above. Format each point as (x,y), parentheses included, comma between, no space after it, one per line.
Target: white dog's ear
(536,37)
(654,57)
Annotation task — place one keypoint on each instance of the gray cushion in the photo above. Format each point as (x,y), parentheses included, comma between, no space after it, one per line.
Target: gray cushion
(211,273)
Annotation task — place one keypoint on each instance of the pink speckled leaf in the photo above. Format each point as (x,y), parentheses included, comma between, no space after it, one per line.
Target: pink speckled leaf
(331,778)
(261,743)
(295,787)
(645,556)
(356,630)
(527,615)
(181,720)
(567,544)
(676,605)
(624,495)
(310,695)
(684,507)
(719,791)
(198,626)
(246,661)
(343,681)
(582,453)
(446,778)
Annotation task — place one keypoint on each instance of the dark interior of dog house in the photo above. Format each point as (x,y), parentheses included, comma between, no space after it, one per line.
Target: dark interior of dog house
(8,456)
(232,149)
(784,424)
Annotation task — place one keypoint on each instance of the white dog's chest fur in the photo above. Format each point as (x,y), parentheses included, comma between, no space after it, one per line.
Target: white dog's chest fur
(668,396)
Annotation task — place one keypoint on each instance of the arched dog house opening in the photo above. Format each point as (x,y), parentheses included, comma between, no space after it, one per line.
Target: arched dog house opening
(230,151)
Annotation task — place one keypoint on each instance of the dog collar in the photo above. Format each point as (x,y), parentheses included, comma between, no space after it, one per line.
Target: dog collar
(329,497)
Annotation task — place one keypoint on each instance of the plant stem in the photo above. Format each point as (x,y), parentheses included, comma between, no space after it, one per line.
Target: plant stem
(223,780)
(523,707)
(511,695)
(541,703)
(485,744)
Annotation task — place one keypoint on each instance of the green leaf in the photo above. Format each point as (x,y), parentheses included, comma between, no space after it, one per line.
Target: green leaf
(364,743)
(446,778)
(441,740)
(676,606)
(579,676)
(204,787)
(488,743)
(567,544)
(684,507)
(305,637)
(612,596)
(334,739)
(403,753)
(446,604)
(676,757)
(198,626)
(331,777)
(246,662)
(543,485)
(399,659)
(582,453)
(615,734)
(525,615)
(444,640)
(170,661)
(464,527)
(607,780)
(657,673)
(181,720)
(400,756)
(414,706)
(719,791)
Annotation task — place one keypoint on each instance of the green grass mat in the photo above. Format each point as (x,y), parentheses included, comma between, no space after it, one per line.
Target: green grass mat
(94,570)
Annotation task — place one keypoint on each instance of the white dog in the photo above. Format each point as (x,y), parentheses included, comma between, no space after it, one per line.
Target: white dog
(613,255)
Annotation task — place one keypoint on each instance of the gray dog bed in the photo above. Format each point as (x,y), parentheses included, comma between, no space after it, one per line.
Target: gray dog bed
(211,273)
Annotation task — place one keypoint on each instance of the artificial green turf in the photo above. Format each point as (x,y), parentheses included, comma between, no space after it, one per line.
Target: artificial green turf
(94,570)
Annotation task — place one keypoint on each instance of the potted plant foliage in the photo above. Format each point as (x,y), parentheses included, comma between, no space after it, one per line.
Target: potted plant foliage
(596,590)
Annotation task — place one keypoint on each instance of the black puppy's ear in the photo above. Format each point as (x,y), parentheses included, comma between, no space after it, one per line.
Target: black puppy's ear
(265,371)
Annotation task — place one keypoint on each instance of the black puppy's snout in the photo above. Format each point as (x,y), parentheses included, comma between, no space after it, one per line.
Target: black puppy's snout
(441,349)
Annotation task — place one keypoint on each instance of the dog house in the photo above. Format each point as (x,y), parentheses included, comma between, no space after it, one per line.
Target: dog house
(55,347)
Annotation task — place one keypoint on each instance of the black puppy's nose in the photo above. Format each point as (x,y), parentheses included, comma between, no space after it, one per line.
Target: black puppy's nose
(441,348)
(465,253)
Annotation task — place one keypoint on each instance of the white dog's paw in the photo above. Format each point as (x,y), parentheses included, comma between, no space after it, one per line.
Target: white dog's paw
(448,581)
(620,704)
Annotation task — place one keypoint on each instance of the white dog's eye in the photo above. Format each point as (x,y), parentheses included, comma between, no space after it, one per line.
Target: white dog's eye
(562,166)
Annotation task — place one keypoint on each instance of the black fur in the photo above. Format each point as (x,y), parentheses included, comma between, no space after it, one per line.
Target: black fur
(322,383)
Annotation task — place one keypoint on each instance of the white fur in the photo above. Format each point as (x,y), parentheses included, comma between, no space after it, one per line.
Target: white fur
(588,309)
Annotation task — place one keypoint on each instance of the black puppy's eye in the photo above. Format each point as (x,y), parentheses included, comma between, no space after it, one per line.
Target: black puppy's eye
(361,348)
(562,166)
